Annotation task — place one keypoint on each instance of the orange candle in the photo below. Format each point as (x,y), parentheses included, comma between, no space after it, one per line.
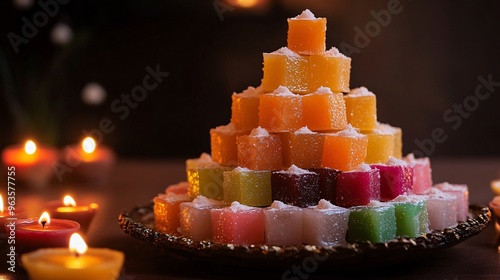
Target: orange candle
(90,160)
(69,210)
(32,162)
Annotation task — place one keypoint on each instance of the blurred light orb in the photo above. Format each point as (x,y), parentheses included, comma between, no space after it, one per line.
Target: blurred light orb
(61,34)
(23,4)
(247,3)
(93,94)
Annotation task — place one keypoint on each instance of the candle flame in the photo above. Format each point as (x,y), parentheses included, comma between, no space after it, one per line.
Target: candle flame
(88,145)
(246,3)
(30,147)
(77,245)
(1,204)
(69,201)
(44,219)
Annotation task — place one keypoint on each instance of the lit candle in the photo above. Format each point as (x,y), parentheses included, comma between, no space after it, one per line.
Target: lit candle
(42,232)
(90,160)
(77,262)
(32,162)
(8,214)
(69,210)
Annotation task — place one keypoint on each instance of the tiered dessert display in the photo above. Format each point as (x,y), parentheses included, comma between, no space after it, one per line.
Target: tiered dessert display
(303,162)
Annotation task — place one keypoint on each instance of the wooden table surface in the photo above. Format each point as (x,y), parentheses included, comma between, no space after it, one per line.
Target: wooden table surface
(135,182)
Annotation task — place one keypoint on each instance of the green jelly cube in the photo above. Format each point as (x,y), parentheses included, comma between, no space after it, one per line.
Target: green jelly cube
(372,223)
(411,215)
(206,180)
(249,187)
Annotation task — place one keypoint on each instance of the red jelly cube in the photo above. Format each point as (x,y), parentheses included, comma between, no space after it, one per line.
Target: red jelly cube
(238,224)
(358,187)
(327,183)
(295,186)
(396,178)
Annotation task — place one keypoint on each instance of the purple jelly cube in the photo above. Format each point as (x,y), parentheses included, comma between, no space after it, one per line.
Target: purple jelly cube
(422,173)
(325,224)
(327,183)
(283,224)
(396,178)
(295,186)
(358,187)
(461,194)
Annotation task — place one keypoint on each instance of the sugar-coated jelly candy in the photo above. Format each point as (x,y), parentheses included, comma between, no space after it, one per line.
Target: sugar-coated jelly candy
(344,150)
(166,212)
(327,183)
(285,68)
(380,145)
(280,111)
(361,108)
(206,180)
(324,110)
(223,144)
(411,215)
(422,173)
(461,194)
(375,223)
(245,109)
(325,224)
(331,69)
(283,224)
(260,150)
(396,178)
(195,221)
(302,148)
(295,186)
(238,224)
(358,187)
(307,34)
(249,187)
(441,209)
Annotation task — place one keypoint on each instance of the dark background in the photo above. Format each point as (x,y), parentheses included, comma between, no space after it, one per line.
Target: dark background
(425,60)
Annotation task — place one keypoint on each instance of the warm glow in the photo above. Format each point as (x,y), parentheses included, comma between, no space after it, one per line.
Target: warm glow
(94,206)
(44,219)
(495,186)
(77,245)
(30,147)
(247,3)
(69,201)
(1,204)
(88,145)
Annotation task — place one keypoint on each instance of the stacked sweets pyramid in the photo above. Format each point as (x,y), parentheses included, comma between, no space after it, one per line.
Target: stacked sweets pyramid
(304,159)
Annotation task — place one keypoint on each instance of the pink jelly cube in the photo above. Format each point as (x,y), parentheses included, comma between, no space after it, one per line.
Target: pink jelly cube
(283,224)
(396,178)
(325,224)
(461,194)
(422,173)
(441,209)
(358,187)
(179,188)
(238,224)
(195,218)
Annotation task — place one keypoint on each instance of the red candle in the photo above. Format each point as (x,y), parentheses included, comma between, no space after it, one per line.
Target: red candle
(33,164)
(69,210)
(89,160)
(8,214)
(43,232)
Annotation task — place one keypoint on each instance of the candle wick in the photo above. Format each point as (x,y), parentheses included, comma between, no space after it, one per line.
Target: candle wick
(43,224)
(77,254)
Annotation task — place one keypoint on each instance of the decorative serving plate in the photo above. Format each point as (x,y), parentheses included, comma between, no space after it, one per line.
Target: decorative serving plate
(139,223)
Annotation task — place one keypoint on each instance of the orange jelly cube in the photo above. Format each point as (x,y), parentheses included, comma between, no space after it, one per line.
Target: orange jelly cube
(245,109)
(331,70)
(223,144)
(344,150)
(324,110)
(166,212)
(260,150)
(302,148)
(307,34)
(280,111)
(361,108)
(285,68)
(380,145)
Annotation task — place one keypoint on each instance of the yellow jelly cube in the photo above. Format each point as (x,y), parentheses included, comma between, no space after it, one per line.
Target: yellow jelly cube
(223,144)
(398,138)
(245,109)
(331,70)
(302,148)
(285,68)
(344,150)
(307,34)
(324,110)
(280,111)
(260,150)
(380,145)
(249,187)
(206,179)
(361,108)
